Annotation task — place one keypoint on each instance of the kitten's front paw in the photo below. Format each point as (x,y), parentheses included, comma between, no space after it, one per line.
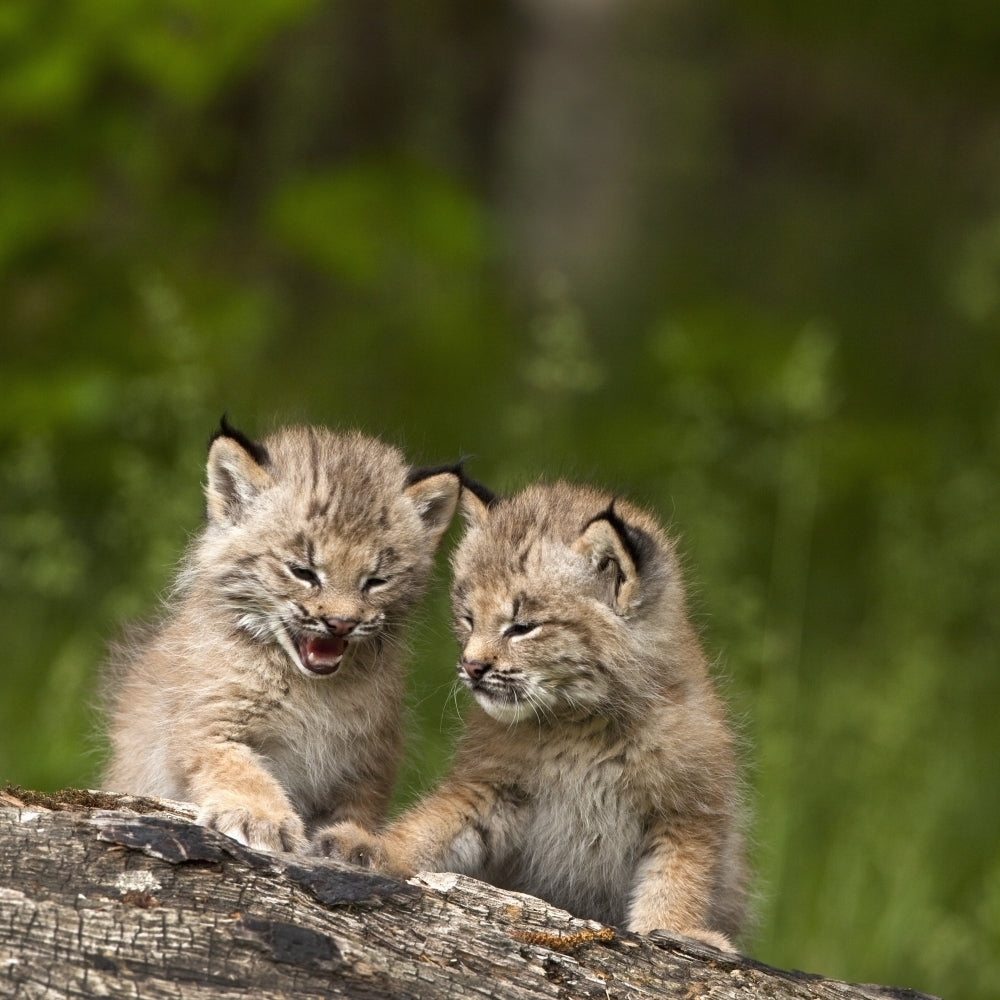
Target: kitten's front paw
(715,939)
(281,832)
(349,842)
(703,934)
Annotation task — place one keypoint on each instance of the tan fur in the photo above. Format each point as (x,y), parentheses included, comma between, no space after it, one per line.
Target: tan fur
(597,769)
(218,705)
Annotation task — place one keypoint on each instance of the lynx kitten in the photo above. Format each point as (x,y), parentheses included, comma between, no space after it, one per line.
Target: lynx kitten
(597,769)
(271,693)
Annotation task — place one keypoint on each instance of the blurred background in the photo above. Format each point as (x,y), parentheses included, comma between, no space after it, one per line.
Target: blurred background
(740,261)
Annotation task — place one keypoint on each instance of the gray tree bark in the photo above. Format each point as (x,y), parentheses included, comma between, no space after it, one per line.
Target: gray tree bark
(112,896)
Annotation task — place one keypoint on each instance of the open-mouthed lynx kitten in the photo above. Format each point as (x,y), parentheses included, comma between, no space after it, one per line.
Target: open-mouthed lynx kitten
(597,769)
(271,693)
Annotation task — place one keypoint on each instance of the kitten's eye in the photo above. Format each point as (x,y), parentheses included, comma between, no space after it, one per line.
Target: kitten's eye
(466,620)
(303,573)
(373,583)
(516,629)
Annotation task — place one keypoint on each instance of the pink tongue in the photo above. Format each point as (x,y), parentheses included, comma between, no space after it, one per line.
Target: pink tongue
(321,654)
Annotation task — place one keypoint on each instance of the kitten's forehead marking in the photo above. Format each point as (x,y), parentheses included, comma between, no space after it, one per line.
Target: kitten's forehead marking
(521,559)
(515,610)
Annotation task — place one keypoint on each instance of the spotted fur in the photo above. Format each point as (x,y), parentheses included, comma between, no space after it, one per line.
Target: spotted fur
(597,769)
(271,693)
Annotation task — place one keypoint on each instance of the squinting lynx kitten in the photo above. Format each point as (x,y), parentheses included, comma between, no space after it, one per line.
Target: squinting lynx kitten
(271,694)
(598,770)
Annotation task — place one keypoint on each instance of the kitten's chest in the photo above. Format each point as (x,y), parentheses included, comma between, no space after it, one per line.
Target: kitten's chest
(582,832)
(583,800)
(317,739)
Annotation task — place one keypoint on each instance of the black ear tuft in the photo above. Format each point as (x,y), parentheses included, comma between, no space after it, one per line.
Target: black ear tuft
(485,495)
(253,448)
(637,543)
(426,471)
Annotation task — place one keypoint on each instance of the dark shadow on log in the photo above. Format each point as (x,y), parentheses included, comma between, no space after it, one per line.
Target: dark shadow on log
(110,895)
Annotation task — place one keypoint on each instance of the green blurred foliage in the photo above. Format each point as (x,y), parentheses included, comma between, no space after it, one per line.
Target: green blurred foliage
(785,339)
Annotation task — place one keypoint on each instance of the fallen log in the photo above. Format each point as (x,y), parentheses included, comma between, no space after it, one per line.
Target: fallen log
(114,896)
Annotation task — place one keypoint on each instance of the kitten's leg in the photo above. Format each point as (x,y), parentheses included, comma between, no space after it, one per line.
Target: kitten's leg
(237,796)
(456,828)
(673,883)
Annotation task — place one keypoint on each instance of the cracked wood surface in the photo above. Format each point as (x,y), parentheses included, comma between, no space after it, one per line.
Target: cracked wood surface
(113,896)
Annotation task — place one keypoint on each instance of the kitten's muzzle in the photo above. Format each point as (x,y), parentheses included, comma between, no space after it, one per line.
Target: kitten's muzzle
(475,670)
(499,692)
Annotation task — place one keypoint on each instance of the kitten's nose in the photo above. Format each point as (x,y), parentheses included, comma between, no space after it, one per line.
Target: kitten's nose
(341,626)
(475,669)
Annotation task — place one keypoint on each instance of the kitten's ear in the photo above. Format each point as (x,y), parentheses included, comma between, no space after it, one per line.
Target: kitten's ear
(476,502)
(434,492)
(616,551)
(237,472)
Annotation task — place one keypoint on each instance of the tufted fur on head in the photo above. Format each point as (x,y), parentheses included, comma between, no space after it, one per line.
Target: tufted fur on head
(597,580)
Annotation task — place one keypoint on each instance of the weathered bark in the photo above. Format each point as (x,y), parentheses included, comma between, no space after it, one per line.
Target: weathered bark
(114,896)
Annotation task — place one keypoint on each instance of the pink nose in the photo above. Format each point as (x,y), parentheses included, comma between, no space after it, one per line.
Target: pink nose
(475,669)
(341,626)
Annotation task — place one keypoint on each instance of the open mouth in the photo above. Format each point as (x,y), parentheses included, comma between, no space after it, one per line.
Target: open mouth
(315,655)
(321,653)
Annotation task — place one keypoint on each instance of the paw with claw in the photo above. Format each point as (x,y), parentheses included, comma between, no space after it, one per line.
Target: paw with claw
(255,828)
(350,842)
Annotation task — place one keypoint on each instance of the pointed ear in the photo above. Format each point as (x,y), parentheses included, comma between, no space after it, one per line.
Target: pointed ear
(476,503)
(237,472)
(615,551)
(434,492)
